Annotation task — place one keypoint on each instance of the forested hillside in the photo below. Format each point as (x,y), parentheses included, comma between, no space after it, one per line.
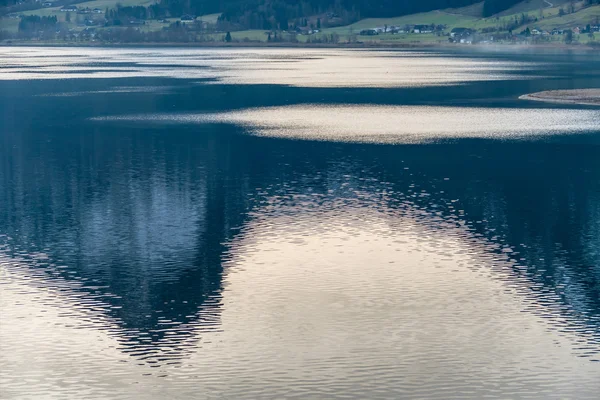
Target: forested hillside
(276,14)
(267,14)
(264,14)
(309,20)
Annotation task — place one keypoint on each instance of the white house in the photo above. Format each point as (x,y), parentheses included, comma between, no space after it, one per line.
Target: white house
(422,29)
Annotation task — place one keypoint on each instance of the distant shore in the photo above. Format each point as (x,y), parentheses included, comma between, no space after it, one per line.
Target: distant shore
(219,44)
(590,97)
(250,44)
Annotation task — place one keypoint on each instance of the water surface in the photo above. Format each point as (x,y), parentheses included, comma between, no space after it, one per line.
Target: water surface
(271,223)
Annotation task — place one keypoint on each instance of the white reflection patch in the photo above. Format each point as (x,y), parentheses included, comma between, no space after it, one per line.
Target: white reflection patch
(390,124)
(291,67)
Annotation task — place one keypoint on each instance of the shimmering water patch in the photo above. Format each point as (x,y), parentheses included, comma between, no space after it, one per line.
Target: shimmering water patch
(390,124)
(292,67)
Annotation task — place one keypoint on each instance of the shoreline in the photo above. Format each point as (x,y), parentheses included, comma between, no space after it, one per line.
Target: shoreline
(585,97)
(14,43)
(362,45)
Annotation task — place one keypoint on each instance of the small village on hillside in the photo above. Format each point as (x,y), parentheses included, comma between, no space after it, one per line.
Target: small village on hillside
(113,22)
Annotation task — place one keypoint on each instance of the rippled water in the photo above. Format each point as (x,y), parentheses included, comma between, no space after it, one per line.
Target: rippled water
(306,68)
(164,233)
(389,124)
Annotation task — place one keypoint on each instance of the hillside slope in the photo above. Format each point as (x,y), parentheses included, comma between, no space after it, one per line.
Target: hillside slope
(256,25)
(527,15)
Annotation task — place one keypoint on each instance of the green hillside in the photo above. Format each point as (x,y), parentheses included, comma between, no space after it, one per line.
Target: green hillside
(526,6)
(533,6)
(432,17)
(545,18)
(582,17)
(474,10)
(103,4)
(9,24)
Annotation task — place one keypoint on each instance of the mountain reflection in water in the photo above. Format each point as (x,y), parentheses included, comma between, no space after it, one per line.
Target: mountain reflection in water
(144,224)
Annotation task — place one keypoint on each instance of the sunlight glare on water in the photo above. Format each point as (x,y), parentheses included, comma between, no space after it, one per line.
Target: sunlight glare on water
(389,124)
(294,67)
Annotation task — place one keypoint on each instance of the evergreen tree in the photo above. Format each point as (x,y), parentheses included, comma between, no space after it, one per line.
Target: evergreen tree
(568,36)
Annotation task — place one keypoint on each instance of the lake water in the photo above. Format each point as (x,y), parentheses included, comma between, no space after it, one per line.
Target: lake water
(287,223)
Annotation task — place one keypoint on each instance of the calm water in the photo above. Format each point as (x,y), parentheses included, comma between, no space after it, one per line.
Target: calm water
(269,223)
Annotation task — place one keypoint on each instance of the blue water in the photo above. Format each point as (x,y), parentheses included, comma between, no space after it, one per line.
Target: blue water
(287,223)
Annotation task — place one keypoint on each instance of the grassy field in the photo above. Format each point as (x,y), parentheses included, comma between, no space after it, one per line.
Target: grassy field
(210,18)
(548,18)
(474,10)
(154,25)
(255,34)
(9,24)
(45,12)
(580,18)
(451,20)
(103,4)
(533,6)
(432,17)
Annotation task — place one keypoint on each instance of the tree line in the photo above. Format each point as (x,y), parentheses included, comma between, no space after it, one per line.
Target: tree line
(277,14)
(282,15)
(36,23)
